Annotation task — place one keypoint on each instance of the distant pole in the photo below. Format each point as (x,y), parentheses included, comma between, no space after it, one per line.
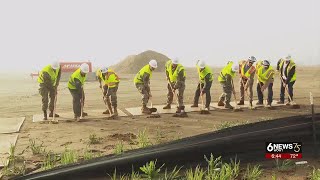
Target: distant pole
(314,127)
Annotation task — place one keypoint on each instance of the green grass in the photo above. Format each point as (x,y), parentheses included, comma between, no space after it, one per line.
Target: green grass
(143,139)
(36,149)
(252,173)
(197,174)
(93,139)
(174,174)
(284,165)
(49,162)
(119,148)
(315,174)
(68,156)
(150,170)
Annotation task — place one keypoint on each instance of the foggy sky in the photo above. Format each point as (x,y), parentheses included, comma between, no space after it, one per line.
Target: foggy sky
(33,33)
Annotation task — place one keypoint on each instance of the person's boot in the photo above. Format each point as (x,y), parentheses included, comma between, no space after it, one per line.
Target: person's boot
(145,110)
(168,106)
(178,110)
(280,102)
(241,102)
(228,106)
(220,103)
(251,105)
(45,116)
(84,114)
(115,111)
(55,115)
(194,105)
(259,103)
(183,112)
(106,112)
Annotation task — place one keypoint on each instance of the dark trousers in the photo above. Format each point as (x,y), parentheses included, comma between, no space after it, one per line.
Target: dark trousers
(77,97)
(45,92)
(260,94)
(290,89)
(206,90)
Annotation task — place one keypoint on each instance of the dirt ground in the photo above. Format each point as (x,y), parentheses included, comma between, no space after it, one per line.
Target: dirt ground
(19,97)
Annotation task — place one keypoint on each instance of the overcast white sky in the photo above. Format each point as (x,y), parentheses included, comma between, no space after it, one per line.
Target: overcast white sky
(35,32)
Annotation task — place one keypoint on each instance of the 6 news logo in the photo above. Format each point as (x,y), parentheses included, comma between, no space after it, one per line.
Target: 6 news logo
(283,150)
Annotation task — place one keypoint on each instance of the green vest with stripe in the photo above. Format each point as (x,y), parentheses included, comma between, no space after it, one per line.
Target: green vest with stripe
(173,75)
(264,75)
(76,75)
(207,70)
(139,76)
(53,74)
(226,70)
(111,78)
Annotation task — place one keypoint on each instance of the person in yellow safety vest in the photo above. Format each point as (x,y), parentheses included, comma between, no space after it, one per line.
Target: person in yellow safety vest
(98,71)
(110,81)
(265,80)
(246,71)
(75,86)
(205,78)
(142,83)
(225,78)
(287,69)
(258,65)
(49,78)
(176,76)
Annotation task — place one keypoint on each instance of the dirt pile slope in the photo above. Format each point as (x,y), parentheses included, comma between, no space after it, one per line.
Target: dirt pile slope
(133,63)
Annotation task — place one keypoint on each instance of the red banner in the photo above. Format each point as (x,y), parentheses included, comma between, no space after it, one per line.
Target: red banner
(283,155)
(72,66)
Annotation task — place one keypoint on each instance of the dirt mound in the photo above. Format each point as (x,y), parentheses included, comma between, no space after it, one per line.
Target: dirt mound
(124,137)
(133,63)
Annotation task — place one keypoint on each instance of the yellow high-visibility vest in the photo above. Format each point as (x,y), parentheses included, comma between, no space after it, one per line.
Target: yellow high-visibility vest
(207,70)
(139,76)
(226,70)
(53,74)
(110,79)
(173,75)
(76,75)
(291,65)
(264,75)
(249,72)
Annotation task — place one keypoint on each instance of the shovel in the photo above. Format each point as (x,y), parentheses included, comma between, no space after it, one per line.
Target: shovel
(237,108)
(53,121)
(202,110)
(292,103)
(269,107)
(111,115)
(246,91)
(152,109)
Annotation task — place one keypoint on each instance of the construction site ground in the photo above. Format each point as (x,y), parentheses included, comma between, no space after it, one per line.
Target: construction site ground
(20,98)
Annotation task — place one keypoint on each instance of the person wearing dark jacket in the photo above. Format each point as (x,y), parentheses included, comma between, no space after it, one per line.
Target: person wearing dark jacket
(75,86)
(205,78)
(48,79)
(287,69)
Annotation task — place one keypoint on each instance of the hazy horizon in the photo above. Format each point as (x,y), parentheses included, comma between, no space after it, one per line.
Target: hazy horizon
(35,33)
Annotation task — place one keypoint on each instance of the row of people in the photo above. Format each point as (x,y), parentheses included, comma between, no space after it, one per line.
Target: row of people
(175,72)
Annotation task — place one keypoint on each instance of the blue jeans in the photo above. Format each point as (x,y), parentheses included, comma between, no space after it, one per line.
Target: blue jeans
(260,94)
(290,89)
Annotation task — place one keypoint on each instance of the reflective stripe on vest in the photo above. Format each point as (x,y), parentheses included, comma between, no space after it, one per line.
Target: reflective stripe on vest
(110,79)
(53,75)
(247,74)
(226,70)
(76,75)
(139,75)
(173,75)
(291,65)
(264,76)
(207,70)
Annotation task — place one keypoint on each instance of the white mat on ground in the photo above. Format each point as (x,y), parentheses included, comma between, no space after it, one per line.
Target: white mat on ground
(136,111)
(94,113)
(245,106)
(5,142)
(11,125)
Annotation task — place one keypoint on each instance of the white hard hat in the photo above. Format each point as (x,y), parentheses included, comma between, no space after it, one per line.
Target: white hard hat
(175,61)
(202,64)
(288,58)
(104,69)
(235,67)
(252,59)
(84,68)
(266,63)
(55,65)
(153,63)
